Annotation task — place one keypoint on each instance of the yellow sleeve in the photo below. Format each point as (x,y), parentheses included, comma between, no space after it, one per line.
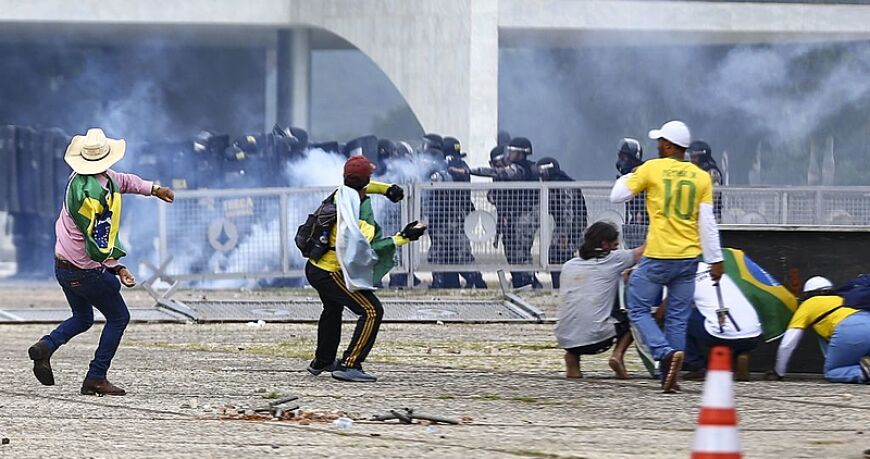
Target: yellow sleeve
(638,181)
(377,187)
(706,195)
(367,230)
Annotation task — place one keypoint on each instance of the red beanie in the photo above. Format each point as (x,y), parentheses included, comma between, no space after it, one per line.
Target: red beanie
(358,168)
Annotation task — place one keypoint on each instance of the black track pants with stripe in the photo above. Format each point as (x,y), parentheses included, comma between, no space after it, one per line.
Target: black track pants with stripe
(335,296)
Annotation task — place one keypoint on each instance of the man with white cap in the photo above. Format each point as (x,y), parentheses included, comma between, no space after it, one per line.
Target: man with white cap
(87,253)
(845,331)
(679,201)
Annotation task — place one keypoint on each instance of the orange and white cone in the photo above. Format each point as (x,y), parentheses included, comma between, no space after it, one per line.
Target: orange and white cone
(716,436)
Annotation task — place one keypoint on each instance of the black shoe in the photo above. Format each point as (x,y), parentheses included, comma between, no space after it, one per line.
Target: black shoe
(670,368)
(40,353)
(316,367)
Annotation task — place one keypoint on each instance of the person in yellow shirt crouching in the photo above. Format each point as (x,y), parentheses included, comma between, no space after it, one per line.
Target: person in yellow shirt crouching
(845,330)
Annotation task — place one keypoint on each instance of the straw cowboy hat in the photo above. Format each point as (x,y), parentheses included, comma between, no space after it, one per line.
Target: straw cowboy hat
(94,153)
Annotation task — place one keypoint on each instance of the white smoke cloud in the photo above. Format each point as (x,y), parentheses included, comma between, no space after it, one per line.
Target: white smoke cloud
(577,103)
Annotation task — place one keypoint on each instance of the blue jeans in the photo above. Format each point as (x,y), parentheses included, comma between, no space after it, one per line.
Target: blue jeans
(849,342)
(645,292)
(86,290)
(699,341)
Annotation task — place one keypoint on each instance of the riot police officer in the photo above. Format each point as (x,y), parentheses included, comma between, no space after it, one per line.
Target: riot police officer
(701,155)
(629,157)
(568,209)
(447,212)
(519,208)
(430,142)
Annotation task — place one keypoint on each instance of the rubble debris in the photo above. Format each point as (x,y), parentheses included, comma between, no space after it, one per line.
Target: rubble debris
(408,416)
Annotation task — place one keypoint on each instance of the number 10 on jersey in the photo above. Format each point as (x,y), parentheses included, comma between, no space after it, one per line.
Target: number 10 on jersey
(680,198)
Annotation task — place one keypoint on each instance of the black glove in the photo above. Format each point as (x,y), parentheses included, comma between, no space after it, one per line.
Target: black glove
(413,230)
(395,193)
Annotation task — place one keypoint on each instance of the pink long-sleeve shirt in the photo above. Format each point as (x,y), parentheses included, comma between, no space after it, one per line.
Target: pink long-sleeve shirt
(70,245)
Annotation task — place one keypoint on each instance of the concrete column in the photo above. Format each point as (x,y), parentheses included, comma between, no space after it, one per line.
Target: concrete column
(483,84)
(301,78)
(271,87)
(294,77)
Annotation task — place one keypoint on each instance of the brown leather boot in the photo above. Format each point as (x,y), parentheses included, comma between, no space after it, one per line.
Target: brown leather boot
(93,386)
(40,353)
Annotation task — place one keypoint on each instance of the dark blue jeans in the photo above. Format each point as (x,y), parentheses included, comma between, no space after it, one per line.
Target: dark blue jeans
(699,342)
(86,290)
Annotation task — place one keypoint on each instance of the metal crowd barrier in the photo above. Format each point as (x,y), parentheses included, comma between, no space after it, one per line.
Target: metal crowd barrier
(525,226)
(247,233)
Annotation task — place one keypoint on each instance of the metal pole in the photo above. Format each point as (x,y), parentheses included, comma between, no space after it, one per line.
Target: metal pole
(162,234)
(545,229)
(784,209)
(818,220)
(284,234)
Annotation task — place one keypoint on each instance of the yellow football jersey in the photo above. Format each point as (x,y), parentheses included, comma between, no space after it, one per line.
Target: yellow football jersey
(674,192)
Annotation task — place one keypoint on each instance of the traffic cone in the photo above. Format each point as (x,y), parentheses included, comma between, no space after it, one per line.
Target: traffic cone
(716,436)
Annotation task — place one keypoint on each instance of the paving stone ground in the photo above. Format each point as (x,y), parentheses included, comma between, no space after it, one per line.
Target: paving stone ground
(505,378)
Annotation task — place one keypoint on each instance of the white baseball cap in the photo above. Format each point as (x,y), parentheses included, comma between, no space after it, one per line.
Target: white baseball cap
(674,131)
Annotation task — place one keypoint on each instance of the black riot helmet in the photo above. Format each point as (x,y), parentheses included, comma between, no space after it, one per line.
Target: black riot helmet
(451,147)
(630,155)
(699,152)
(496,156)
(386,149)
(279,131)
(548,163)
(209,142)
(301,136)
(550,170)
(519,148)
(404,150)
(432,142)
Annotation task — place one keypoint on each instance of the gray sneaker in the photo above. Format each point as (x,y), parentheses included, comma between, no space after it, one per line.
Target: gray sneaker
(865,367)
(353,375)
(316,367)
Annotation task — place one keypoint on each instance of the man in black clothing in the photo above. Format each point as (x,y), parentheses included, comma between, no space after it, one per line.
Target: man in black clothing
(568,208)
(518,208)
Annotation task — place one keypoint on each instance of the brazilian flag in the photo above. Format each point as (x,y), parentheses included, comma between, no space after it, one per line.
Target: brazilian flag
(773,302)
(96,210)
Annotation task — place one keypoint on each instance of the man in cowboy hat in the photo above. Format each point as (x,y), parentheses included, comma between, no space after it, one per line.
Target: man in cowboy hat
(87,253)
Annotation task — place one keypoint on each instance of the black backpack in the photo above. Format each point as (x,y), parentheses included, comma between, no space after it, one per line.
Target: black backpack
(312,237)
